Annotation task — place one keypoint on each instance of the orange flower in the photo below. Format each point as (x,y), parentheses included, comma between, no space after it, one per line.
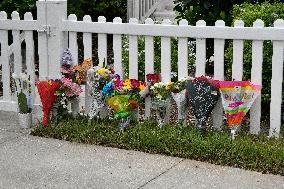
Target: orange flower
(141,87)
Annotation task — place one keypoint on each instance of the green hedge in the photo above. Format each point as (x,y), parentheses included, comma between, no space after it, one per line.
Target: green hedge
(248,152)
(249,13)
(94,8)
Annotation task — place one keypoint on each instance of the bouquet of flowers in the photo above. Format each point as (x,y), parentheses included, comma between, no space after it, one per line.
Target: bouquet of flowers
(46,90)
(97,78)
(66,93)
(237,99)
(179,94)
(124,98)
(24,90)
(161,98)
(203,95)
(80,71)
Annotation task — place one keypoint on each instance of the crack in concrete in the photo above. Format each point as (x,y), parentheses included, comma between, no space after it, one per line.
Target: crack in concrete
(162,173)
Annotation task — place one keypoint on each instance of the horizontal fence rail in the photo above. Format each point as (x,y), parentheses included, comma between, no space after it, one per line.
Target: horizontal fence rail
(57,34)
(244,33)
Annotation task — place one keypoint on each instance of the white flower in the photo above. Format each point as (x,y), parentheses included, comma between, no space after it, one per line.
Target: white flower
(24,77)
(64,106)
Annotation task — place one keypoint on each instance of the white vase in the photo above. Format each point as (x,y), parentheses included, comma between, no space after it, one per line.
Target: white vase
(25,120)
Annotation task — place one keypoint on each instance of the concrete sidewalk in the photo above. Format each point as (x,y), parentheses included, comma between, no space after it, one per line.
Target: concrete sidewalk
(33,162)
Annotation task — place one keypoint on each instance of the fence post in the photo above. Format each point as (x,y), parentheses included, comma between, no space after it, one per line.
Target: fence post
(52,40)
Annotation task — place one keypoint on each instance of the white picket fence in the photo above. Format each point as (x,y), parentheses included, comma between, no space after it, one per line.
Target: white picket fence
(57,32)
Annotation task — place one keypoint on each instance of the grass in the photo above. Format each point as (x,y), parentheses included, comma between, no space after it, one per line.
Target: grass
(248,152)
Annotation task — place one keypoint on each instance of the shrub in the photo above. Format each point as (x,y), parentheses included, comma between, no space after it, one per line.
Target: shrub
(210,11)
(249,13)
(22,6)
(94,8)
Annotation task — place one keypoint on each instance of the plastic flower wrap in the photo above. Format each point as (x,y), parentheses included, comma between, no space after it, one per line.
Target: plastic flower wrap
(97,78)
(80,71)
(161,100)
(67,92)
(151,80)
(46,90)
(237,99)
(24,92)
(203,96)
(124,98)
(179,94)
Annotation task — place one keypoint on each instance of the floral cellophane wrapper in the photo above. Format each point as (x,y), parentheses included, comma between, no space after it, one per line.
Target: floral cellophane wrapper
(46,90)
(237,99)
(161,106)
(180,99)
(120,105)
(203,96)
(97,98)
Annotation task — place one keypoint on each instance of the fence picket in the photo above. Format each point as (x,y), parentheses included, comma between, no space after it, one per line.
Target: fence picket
(102,44)
(200,52)
(117,50)
(149,63)
(87,40)
(73,47)
(73,44)
(166,55)
(256,76)
(30,55)
(183,53)
(133,53)
(5,61)
(219,49)
(276,84)
(18,66)
(238,48)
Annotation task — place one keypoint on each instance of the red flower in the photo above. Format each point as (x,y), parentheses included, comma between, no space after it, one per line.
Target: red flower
(155,77)
(46,90)
(135,83)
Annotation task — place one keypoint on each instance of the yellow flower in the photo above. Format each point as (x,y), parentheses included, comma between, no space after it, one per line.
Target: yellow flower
(169,85)
(127,82)
(50,82)
(127,87)
(102,71)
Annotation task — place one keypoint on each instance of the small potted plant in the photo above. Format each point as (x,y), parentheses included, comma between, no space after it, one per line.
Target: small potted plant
(23,89)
